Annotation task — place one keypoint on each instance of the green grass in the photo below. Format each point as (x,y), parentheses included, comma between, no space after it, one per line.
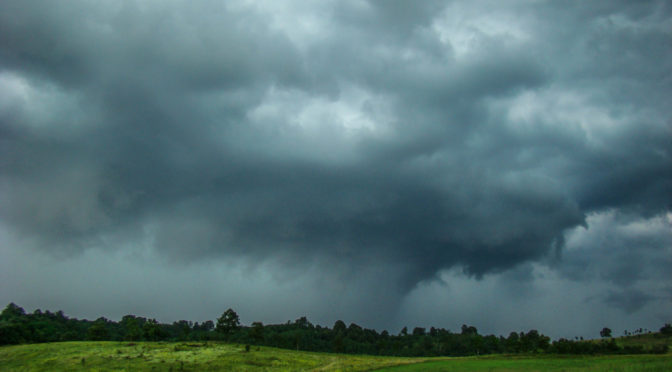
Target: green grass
(500,363)
(179,356)
(196,356)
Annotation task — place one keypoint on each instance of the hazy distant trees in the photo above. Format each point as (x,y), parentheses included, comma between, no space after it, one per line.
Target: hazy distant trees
(469,330)
(666,329)
(43,326)
(418,331)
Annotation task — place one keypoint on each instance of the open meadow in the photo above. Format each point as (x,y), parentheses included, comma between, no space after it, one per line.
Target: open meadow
(198,356)
(179,356)
(544,363)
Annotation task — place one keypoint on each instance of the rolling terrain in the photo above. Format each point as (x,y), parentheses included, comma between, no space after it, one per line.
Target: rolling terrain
(216,356)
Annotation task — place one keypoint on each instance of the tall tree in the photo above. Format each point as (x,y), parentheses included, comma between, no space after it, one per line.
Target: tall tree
(131,328)
(99,331)
(152,330)
(339,326)
(418,331)
(228,323)
(257,332)
(12,311)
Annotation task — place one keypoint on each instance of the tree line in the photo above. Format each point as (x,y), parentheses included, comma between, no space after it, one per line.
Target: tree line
(16,327)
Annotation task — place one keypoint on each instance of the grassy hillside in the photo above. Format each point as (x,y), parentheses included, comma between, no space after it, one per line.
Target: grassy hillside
(647,341)
(181,356)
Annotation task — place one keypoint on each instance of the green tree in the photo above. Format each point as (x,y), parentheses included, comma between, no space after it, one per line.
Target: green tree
(513,343)
(339,326)
(228,323)
(13,325)
(99,331)
(469,330)
(303,322)
(152,330)
(131,328)
(257,332)
(182,329)
(11,312)
(605,332)
(208,326)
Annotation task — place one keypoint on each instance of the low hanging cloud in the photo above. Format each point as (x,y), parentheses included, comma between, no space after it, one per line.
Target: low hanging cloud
(418,138)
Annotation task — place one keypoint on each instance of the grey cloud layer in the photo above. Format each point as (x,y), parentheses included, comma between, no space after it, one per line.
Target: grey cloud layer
(422,137)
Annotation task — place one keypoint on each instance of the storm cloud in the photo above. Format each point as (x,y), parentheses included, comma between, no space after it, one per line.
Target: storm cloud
(383,139)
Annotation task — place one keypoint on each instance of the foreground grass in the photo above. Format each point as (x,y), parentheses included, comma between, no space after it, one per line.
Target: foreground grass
(545,363)
(195,356)
(179,356)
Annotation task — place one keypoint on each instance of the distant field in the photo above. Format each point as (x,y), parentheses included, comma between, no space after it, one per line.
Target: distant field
(197,356)
(645,340)
(545,363)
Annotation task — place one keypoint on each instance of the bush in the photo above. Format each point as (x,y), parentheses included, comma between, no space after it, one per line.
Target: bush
(659,349)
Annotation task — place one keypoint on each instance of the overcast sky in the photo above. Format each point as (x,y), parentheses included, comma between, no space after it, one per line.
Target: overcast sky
(505,164)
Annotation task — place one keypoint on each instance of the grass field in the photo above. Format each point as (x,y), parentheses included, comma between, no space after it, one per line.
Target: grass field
(193,356)
(646,340)
(545,363)
(179,356)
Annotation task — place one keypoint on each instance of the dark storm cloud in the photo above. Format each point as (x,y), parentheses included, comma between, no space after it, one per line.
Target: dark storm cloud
(630,300)
(620,249)
(388,135)
(630,255)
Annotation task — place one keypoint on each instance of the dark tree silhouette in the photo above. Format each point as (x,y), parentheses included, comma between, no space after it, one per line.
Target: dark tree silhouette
(257,332)
(16,326)
(605,332)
